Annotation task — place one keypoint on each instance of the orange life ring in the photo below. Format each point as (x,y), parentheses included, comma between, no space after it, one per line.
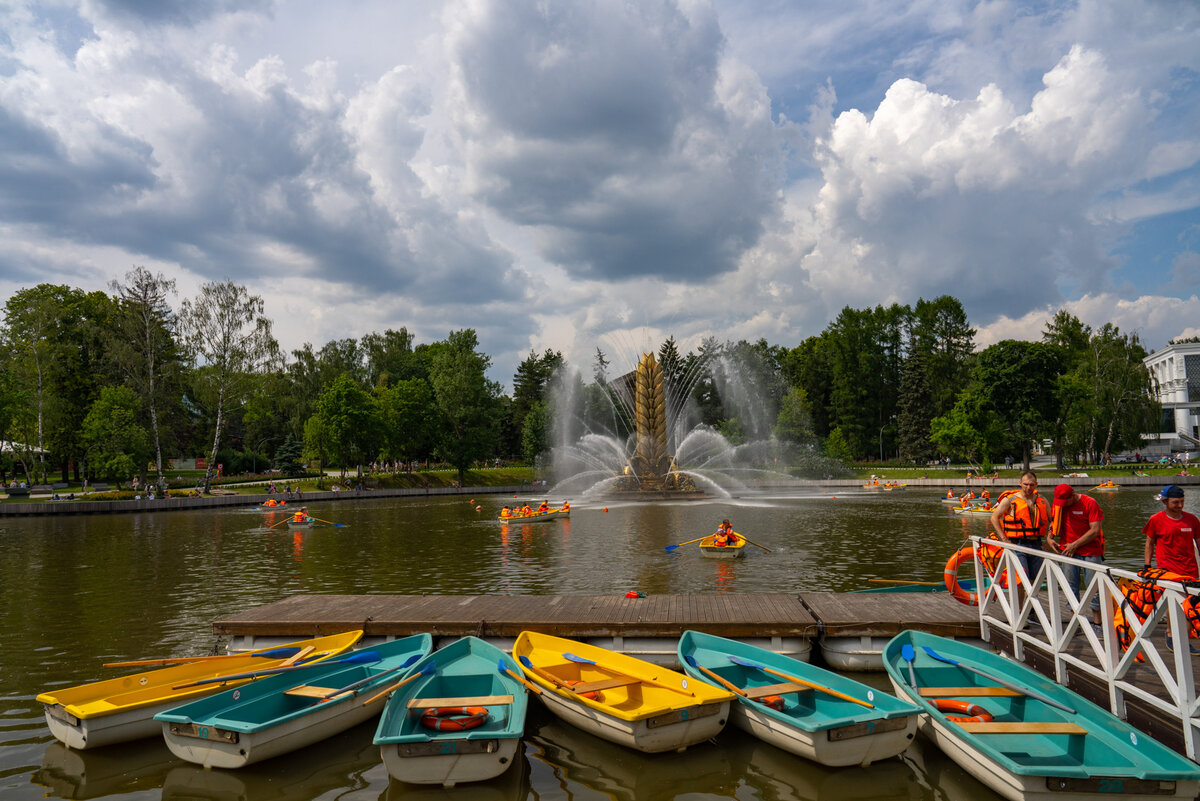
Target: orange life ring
(960,593)
(971,713)
(454,718)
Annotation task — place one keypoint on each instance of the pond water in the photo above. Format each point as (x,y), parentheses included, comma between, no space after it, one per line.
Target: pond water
(80,591)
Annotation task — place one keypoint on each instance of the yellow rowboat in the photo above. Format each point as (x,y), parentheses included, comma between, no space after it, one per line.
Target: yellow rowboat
(975,510)
(553,514)
(122,709)
(712,551)
(622,699)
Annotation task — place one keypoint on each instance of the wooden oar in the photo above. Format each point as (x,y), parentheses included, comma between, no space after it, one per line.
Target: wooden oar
(752,542)
(350,688)
(670,548)
(359,658)
(503,669)
(280,523)
(557,682)
(430,667)
(582,660)
(319,520)
(275,653)
(901,581)
(797,680)
(1022,690)
(728,685)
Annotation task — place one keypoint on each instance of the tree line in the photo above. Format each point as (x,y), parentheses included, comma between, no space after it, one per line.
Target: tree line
(109,385)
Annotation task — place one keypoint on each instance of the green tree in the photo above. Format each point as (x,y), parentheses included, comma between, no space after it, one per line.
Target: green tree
(466,400)
(389,358)
(226,326)
(409,418)
(794,423)
(117,445)
(535,436)
(940,333)
(915,411)
(288,457)
(142,343)
(1014,382)
(531,386)
(348,423)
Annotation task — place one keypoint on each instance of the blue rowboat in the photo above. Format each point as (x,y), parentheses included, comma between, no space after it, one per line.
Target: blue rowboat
(461,720)
(279,714)
(1022,734)
(801,708)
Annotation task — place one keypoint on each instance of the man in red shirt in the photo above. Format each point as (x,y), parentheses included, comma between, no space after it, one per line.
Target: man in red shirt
(1076,530)
(1172,535)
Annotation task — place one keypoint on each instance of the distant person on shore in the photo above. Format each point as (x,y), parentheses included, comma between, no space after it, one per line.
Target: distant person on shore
(1077,531)
(1022,518)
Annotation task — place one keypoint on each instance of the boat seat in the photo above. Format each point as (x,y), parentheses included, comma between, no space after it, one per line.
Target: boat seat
(1024,727)
(473,700)
(310,691)
(776,689)
(965,692)
(602,684)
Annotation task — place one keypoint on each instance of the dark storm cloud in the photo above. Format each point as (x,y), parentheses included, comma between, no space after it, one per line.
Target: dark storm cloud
(617,133)
(175,12)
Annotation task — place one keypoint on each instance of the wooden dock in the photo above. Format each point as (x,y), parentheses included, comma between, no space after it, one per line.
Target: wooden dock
(738,616)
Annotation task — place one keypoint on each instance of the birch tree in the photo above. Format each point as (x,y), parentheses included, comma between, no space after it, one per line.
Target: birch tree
(226,327)
(143,344)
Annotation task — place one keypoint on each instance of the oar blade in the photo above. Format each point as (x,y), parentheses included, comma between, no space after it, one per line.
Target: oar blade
(576,658)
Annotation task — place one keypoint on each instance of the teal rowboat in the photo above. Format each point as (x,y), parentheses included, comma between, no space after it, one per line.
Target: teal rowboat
(279,714)
(460,721)
(1022,734)
(801,708)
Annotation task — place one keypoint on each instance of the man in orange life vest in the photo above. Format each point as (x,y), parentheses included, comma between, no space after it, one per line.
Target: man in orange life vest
(1022,518)
(1077,531)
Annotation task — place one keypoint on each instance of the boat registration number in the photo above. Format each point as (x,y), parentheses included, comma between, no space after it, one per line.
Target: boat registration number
(682,715)
(57,712)
(1115,785)
(204,732)
(443,747)
(867,728)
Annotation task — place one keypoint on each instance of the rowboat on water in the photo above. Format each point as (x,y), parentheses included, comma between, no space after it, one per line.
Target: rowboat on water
(733,550)
(1023,735)
(979,510)
(813,712)
(284,712)
(620,698)
(122,709)
(553,514)
(460,720)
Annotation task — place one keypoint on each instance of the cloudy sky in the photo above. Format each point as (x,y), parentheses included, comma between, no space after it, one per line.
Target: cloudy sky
(574,175)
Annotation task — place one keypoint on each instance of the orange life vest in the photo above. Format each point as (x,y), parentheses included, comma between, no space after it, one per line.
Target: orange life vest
(1023,519)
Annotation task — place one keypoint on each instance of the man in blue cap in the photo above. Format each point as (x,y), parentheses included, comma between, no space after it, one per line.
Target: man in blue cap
(1173,535)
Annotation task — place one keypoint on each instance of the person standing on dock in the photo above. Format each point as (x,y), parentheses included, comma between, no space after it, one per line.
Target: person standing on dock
(1173,535)
(1022,518)
(1077,531)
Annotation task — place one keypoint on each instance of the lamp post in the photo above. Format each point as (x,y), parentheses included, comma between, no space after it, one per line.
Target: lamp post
(885,425)
(254,454)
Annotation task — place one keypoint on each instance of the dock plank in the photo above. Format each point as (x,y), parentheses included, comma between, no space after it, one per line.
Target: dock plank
(776,614)
(879,615)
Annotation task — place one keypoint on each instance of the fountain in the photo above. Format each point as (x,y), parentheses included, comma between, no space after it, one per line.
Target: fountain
(634,458)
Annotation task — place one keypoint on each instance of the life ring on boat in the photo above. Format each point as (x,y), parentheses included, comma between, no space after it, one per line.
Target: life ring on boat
(454,718)
(773,701)
(971,713)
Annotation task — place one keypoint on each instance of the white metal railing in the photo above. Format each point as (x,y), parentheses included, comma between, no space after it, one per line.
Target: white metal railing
(1054,618)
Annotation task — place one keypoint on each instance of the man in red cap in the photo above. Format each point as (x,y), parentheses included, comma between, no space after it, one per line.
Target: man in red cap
(1077,530)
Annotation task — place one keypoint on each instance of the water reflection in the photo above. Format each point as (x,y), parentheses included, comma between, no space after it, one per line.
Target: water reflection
(80,591)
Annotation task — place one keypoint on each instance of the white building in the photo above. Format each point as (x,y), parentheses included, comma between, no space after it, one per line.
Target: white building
(1175,371)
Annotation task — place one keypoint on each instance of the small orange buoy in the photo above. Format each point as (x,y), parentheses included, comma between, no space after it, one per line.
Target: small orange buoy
(471,501)
(478,508)
(605,508)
